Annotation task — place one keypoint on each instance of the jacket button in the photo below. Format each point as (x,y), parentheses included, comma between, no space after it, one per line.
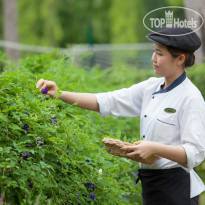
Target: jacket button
(143,136)
(145,115)
(152,97)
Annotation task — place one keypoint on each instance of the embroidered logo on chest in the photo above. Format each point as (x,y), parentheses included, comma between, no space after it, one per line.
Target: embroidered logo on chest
(170,110)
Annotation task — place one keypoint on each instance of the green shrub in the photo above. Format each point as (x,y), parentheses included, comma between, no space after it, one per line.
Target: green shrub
(197,76)
(51,152)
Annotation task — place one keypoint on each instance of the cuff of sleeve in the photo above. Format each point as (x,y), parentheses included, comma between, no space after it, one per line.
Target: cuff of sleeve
(104,108)
(190,153)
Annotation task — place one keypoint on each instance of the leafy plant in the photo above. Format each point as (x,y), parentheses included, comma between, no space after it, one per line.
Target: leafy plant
(51,152)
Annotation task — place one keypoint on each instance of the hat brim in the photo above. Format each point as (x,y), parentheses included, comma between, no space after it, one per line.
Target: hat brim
(154,41)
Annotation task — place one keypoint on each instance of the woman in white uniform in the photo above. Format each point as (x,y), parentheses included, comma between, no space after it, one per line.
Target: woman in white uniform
(172,117)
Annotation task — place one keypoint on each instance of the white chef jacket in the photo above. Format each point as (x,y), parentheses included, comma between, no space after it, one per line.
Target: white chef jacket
(182,124)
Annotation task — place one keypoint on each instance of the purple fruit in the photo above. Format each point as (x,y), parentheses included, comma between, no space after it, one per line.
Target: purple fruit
(26,155)
(26,127)
(44,90)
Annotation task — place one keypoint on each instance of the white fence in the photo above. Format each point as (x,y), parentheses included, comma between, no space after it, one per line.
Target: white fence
(102,55)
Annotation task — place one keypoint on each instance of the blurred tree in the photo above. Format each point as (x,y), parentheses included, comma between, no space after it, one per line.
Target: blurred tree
(39,23)
(199,7)
(123,19)
(127,19)
(175,2)
(59,23)
(1,21)
(143,7)
(101,21)
(10,28)
(74,18)
(84,21)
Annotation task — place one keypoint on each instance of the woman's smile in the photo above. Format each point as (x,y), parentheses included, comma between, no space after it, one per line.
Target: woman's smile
(155,66)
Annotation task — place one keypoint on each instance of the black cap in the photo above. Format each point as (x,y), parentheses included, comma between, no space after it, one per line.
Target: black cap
(182,39)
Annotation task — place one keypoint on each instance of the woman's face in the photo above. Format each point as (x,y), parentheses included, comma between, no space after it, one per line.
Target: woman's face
(164,64)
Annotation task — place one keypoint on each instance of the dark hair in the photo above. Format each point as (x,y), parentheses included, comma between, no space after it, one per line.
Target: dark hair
(190,57)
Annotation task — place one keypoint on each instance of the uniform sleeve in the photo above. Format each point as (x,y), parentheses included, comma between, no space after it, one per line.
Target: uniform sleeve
(193,131)
(125,102)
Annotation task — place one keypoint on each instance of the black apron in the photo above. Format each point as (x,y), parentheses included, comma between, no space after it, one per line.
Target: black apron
(165,186)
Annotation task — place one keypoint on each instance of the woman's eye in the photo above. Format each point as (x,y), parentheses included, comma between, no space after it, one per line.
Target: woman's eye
(157,52)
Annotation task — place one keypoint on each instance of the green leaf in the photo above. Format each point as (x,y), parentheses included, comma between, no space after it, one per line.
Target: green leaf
(14,127)
(3,117)
(118,133)
(7,150)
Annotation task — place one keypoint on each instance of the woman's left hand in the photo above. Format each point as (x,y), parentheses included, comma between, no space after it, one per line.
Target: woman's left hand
(142,150)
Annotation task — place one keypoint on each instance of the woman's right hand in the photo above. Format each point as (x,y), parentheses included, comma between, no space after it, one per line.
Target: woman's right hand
(50,85)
